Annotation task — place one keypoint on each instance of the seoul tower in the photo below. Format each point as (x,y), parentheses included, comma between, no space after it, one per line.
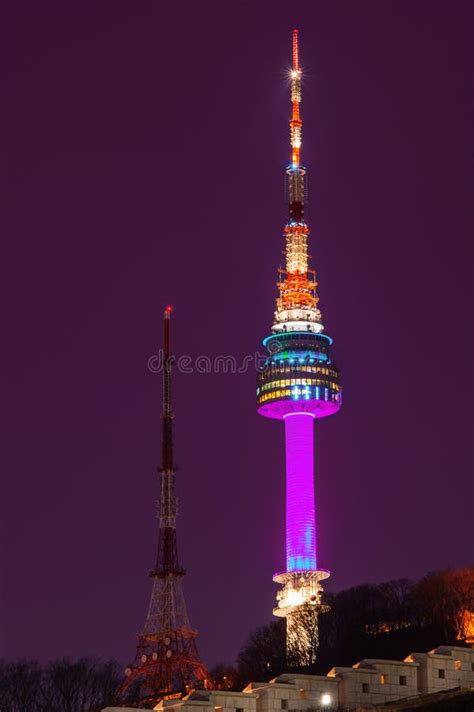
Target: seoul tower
(298,384)
(167,662)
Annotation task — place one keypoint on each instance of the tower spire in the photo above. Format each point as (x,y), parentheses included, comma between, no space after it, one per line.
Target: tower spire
(167,414)
(167,662)
(297,304)
(296,59)
(295,123)
(167,556)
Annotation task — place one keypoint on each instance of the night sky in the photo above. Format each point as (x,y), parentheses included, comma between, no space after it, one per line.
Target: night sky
(147,144)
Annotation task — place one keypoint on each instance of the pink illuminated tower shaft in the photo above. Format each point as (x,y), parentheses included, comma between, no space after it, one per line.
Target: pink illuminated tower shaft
(300,507)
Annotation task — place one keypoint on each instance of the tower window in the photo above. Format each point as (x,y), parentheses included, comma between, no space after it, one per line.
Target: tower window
(457,665)
(384,679)
(403,679)
(441,673)
(284,704)
(365,687)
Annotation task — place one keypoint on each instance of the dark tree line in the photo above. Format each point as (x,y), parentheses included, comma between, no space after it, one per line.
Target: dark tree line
(85,685)
(387,620)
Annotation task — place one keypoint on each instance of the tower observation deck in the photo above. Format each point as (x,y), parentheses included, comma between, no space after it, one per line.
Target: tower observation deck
(298,384)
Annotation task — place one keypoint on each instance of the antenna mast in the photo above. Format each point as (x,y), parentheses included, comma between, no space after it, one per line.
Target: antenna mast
(167,662)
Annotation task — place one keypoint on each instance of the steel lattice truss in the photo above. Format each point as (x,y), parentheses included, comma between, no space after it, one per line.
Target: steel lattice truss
(167,662)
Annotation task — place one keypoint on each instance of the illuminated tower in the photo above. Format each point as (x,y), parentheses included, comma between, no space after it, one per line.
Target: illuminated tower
(166,661)
(298,384)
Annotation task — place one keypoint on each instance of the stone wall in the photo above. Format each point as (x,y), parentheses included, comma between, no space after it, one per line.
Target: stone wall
(366,683)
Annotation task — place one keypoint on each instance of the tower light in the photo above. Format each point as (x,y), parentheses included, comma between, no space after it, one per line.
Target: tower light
(298,394)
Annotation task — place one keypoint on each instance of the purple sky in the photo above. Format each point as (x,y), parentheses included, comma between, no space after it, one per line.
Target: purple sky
(147,148)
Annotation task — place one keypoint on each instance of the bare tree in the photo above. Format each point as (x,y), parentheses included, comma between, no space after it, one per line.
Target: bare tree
(85,685)
(444,598)
(63,686)
(264,653)
(23,687)
(224,677)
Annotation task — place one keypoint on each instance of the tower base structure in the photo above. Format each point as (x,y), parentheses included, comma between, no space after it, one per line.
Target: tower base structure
(166,666)
(299,601)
